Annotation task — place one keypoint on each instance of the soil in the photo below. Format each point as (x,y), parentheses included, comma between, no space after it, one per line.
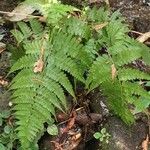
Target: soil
(8,5)
(137,14)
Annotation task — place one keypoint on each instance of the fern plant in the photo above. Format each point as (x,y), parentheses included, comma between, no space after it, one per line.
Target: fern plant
(39,86)
(111,72)
(71,44)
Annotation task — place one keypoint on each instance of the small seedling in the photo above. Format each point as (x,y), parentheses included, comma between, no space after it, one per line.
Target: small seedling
(102,136)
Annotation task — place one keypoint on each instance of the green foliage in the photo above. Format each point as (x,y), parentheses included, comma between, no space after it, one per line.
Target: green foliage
(111,72)
(52,129)
(7,132)
(71,45)
(53,10)
(36,94)
(103,136)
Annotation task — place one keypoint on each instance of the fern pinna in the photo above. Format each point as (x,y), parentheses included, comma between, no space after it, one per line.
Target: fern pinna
(39,86)
(111,72)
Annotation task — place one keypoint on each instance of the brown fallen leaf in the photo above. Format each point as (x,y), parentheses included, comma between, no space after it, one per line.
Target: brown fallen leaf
(57,145)
(142,38)
(113,71)
(21,12)
(145,143)
(100,26)
(70,123)
(76,136)
(38,66)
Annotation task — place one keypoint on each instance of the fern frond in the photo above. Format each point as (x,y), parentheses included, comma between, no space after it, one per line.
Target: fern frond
(24,62)
(135,89)
(145,53)
(46,88)
(36,27)
(56,12)
(126,56)
(117,100)
(18,35)
(33,47)
(26,31)
(35,106)
(23,74)
(120,51)
(22,92)
(125,74)
(99,72)
(52,10)
(55,88)
(74,49)
(70,65)
(114,32)
(51,97)
(72,27)
(59,76)
(98,15)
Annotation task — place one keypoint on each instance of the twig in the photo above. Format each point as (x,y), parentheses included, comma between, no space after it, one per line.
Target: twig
(136,32)
(144,37)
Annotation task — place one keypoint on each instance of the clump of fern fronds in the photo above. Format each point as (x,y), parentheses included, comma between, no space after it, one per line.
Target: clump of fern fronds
(72,44)
(120,83)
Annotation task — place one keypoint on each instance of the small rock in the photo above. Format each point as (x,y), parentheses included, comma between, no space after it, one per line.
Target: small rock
(125,137)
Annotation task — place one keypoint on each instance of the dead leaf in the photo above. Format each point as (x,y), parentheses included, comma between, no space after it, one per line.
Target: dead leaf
(100,26)
(57,145)
(113,71)
(70,123)
(3,82)
(21,12)
(142,38)
(2,47)
(76,136)
(38,66)
(145,143)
